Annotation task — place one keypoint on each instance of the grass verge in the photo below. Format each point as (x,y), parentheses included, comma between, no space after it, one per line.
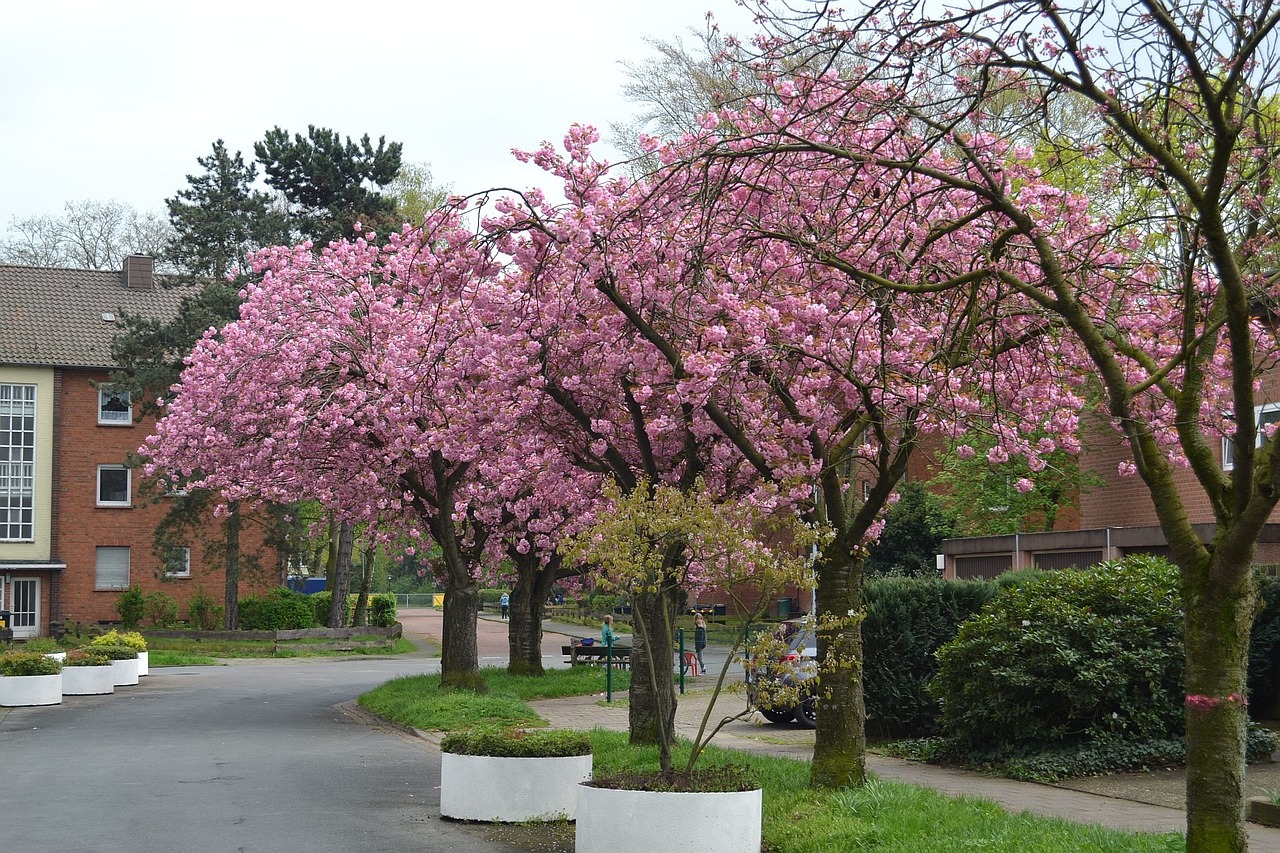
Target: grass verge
(419,701)
(162,657)
(887,817)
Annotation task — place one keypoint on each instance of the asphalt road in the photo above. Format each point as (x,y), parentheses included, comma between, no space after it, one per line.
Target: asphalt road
(249,757)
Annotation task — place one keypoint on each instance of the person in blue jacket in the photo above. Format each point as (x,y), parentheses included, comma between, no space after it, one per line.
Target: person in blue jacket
(504,603)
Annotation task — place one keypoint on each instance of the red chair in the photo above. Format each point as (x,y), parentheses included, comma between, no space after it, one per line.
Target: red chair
(689,664)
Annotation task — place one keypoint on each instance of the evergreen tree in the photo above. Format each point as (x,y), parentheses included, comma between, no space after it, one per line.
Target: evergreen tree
(913,533)
(322,177)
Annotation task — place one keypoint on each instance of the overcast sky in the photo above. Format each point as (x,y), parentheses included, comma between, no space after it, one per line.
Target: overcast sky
(116,100)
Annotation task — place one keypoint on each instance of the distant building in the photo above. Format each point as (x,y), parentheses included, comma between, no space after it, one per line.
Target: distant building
(74,531)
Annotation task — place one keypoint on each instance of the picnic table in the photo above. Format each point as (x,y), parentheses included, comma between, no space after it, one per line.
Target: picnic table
(579,654)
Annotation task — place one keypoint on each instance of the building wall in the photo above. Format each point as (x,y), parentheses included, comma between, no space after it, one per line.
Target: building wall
(42,378)
(84,526)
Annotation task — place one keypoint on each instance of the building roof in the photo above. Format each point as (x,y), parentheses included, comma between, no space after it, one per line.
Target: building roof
(56,317)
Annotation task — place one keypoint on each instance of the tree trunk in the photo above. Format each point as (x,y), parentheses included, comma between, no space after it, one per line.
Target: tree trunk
(528,603)
(459,660)
(652,695)
(341,576)
(1220,603)
(840,742)
(361,616)
(231,591)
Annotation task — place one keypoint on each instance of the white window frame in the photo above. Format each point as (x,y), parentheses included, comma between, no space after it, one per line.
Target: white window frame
(107,559)
(1259,412)
(18,474)
(185,554)
(113,418)
(128,487)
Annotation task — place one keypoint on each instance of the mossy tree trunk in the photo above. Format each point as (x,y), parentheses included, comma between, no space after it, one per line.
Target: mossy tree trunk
(840,741)
(1220,602)
(652,696)
(534,582)
(231,588)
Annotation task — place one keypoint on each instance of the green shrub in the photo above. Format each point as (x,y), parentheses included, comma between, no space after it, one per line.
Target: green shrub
(908,619)
(43,645)
(1071,656)
(1264,648)
(280,609)
(382,610)
(203,613)
(1040,763)
(132,606)
(116,652)
(161,609)
(132,639)
(517,743)
(28,663)
(87,656)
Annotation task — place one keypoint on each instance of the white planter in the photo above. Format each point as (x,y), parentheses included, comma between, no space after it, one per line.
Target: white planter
(613,821)
(125,672)
(144,664)
(56,655)
(88,680)
(21,690)
(511,790)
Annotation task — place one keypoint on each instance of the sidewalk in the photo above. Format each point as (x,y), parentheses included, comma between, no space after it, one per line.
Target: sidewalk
(790,741)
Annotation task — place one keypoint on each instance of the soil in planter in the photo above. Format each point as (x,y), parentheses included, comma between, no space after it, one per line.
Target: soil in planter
(728,778)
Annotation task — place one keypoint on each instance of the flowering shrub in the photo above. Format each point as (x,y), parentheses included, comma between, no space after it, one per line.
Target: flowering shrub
(1070,657)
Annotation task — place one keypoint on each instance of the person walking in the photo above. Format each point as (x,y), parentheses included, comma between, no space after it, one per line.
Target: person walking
(504,603)
(700,639)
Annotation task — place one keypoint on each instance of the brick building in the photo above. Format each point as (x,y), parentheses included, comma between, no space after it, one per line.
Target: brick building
(75,529)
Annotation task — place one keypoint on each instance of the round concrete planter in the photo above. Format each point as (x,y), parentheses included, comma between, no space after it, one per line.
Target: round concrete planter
(144,666)
(511,790)
(614,821)
(88,680)
(21,690)
(125,672)
(61,656)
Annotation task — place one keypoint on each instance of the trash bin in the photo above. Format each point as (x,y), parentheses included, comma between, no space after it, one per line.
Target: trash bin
(784,608)
(6,626)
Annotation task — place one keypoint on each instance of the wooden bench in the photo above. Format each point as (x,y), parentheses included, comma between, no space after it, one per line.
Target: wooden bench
(578,655)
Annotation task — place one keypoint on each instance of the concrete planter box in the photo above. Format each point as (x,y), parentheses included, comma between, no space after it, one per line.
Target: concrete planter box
(511,790)
(125,672)
(60,656)
(18,691)
(614,821)
(88,680)
(144,667)
(1262,810)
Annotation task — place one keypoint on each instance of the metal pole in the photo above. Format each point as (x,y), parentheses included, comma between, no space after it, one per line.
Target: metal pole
(680,634)
(608,670)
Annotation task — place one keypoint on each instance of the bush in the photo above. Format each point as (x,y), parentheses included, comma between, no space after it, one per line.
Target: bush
(116,652)
(908,619)
(382,610)
(132,639)
(1069,657)
(280,610)
(203,613)
(517,743)
(87,656)
(28,663)
(491,596)
(161,609)
(131,605)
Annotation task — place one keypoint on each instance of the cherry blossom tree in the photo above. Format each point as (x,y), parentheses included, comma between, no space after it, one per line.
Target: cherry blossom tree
(802,376)
(358,376)
(1163,286)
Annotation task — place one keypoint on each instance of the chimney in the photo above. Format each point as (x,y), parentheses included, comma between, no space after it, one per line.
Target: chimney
(139,272)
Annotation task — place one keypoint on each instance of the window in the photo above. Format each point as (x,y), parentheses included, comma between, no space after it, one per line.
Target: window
(113,485)
(114,406)
(177,563)
(17,462)
(111,570)
(1264,416)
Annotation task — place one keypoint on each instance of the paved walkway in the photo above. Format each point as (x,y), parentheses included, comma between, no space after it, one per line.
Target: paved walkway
(753,735)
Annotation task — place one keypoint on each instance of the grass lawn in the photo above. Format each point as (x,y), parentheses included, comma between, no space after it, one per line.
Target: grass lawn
(186,651)
(886,817)
(418,701)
